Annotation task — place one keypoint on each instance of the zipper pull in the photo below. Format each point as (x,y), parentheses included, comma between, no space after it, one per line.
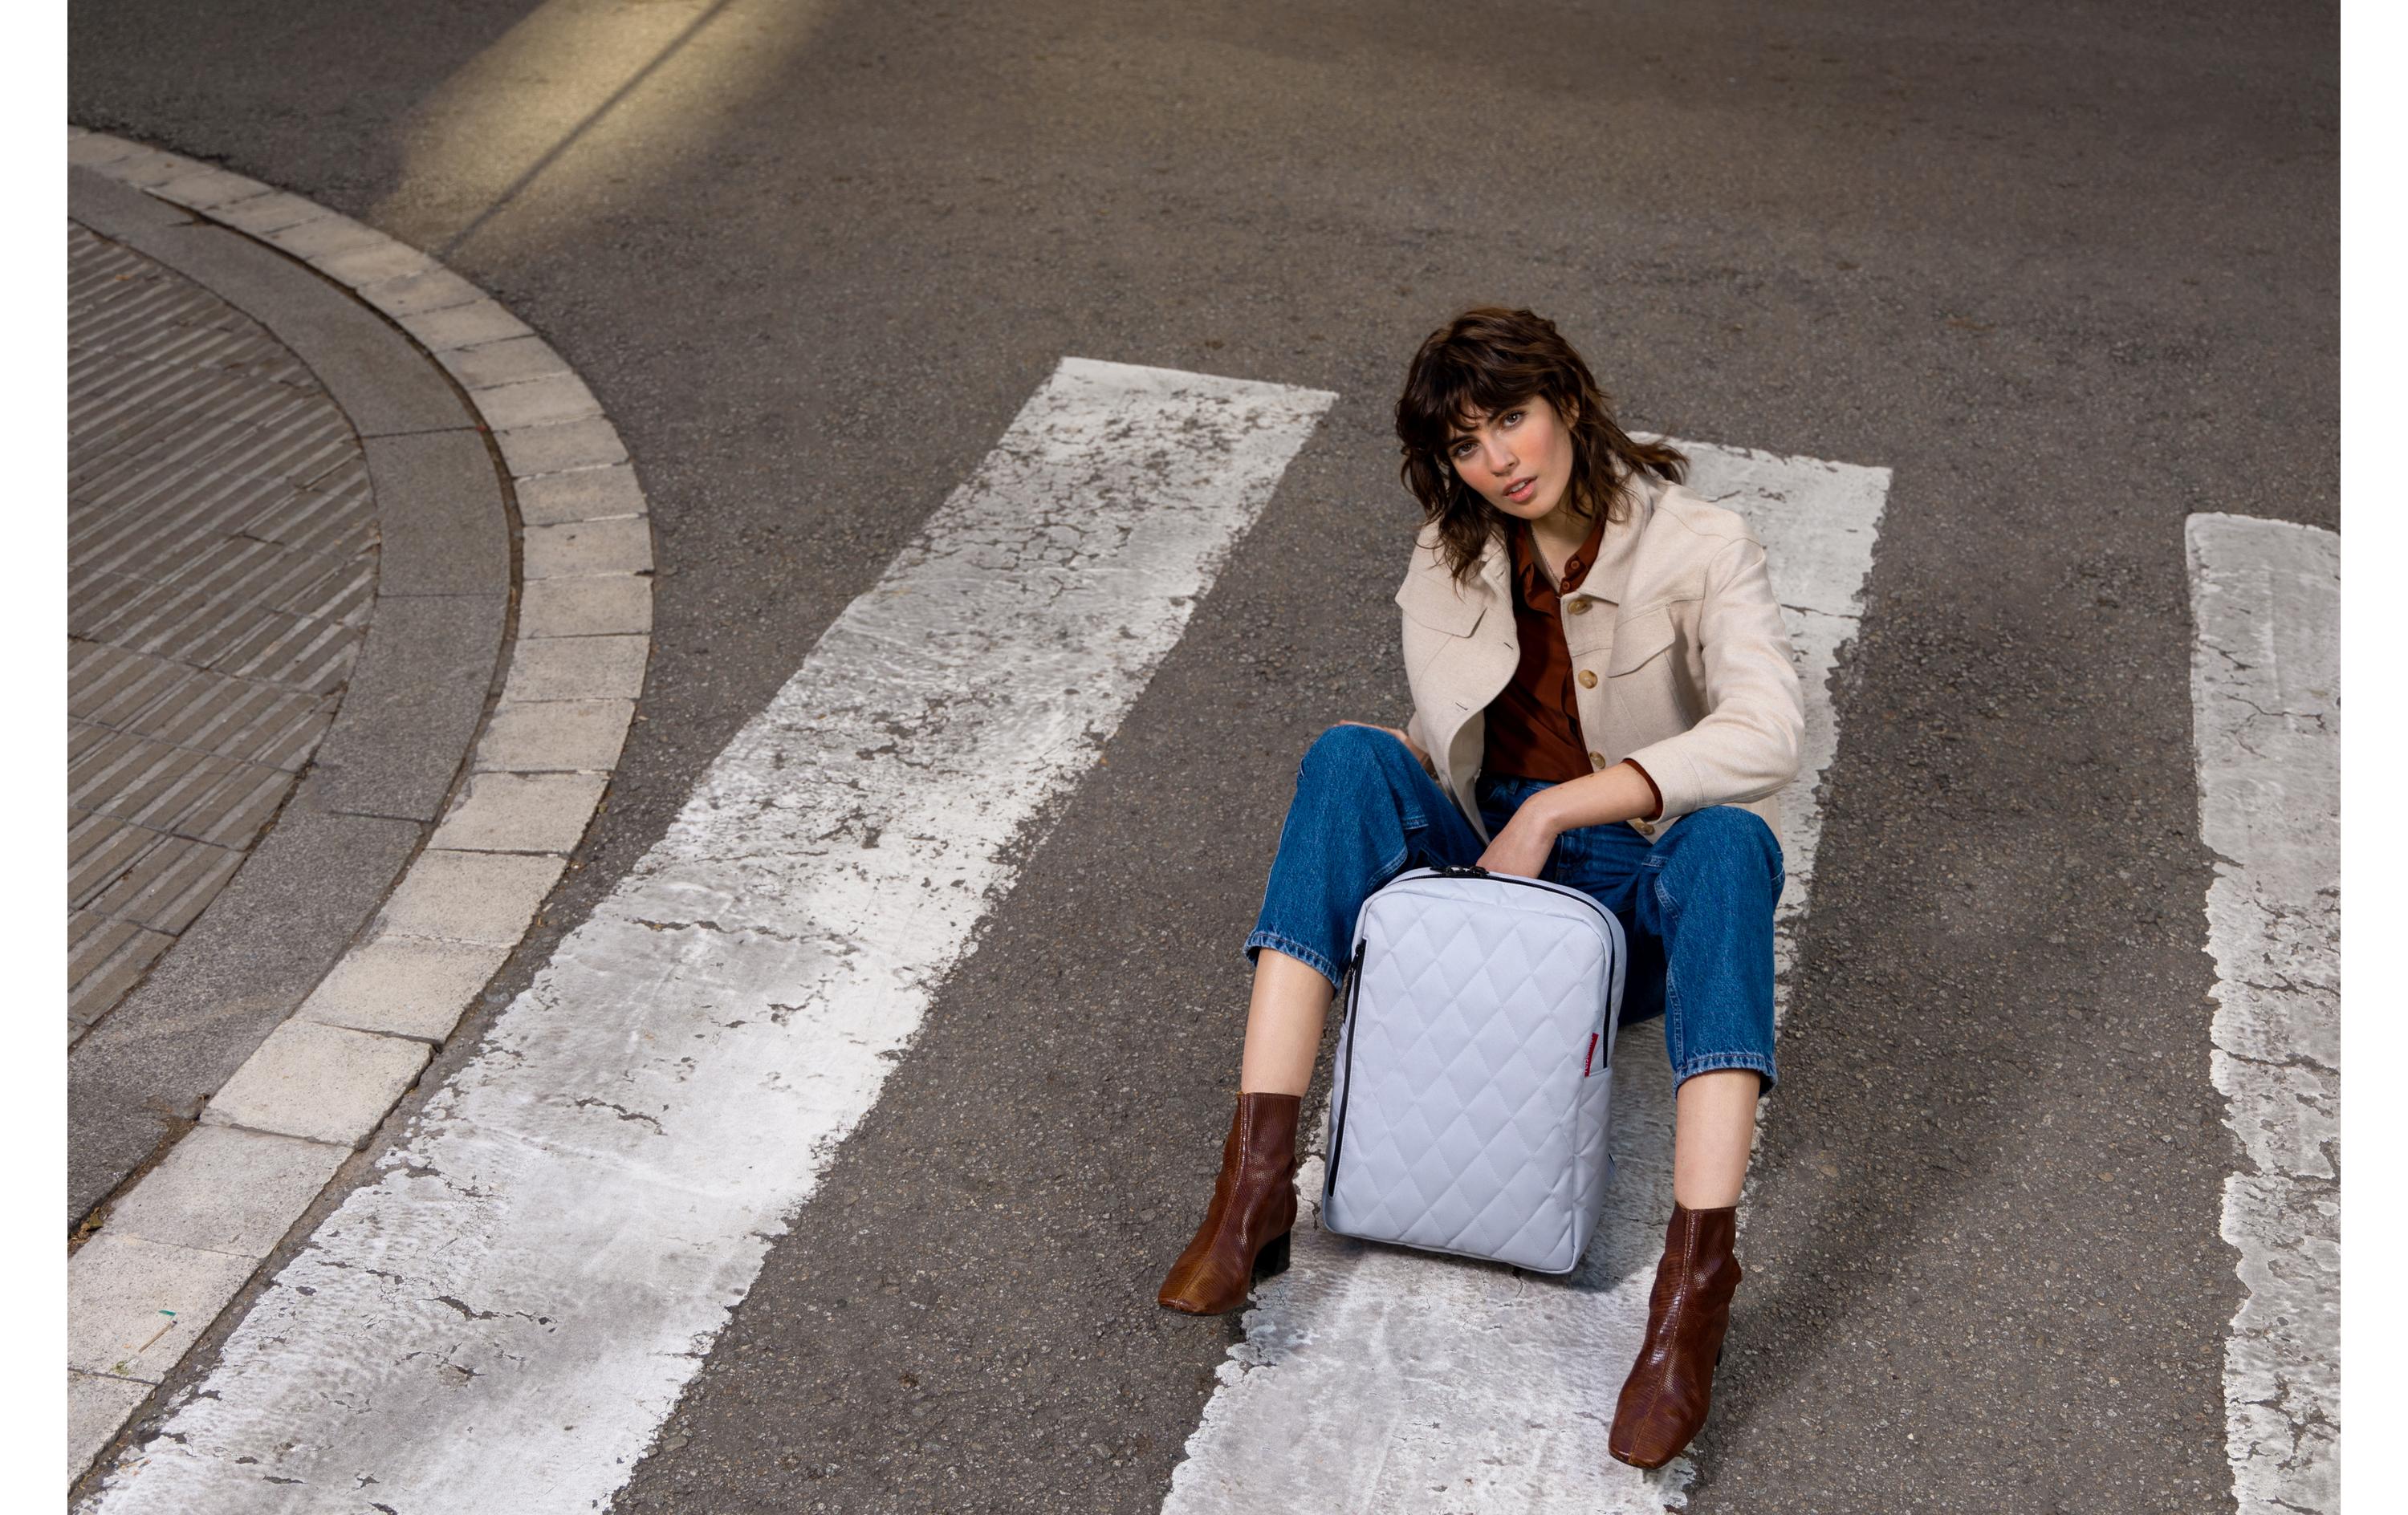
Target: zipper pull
(1462,870)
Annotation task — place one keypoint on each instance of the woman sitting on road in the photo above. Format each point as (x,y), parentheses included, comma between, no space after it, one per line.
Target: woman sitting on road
(1618,724)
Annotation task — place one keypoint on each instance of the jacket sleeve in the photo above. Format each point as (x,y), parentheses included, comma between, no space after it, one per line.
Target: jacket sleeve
(1414,728)
(1747,745)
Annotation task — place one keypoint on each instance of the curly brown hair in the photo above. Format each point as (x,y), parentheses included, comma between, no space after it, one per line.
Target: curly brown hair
(1483,360)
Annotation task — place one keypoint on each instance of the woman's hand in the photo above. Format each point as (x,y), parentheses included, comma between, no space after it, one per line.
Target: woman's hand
(1523,847)
(1411,745)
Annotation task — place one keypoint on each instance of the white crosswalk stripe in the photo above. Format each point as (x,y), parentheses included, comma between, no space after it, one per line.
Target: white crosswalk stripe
(1375,1379)
(2266,722)
(501,1322)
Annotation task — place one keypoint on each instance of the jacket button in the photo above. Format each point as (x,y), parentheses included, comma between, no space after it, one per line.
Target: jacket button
(1597,760)
(1646,828)
(1588,678)
(1579,607)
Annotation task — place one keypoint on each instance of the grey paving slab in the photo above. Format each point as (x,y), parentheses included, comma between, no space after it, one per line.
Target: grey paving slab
(555,736)
(471,324)
(521,812)
(324,1083)
(134,1305)
(503,362)
(587,495)
(555,449)
(535,401)
(270,212)
(137,1078)
(224,1189)
(314,240)
(375,262)
(485,897)
(439,509)
(147,167)
(412,708)
(90,149)
(405,986)
(577,668)
(424,293)
(97,1405)
(209,189)
(586,606)
(615,545)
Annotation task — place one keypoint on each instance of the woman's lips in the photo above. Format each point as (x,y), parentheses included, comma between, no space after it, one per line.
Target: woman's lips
(1520,493)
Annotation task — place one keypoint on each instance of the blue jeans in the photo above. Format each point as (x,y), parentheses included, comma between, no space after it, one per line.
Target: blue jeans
(1696,904)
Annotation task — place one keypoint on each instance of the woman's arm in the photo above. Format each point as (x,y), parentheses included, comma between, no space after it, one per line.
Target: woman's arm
(1621,792)
(1747,745)
(1748,742)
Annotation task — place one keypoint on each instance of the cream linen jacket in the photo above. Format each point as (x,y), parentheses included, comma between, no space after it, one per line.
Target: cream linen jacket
(1680,659)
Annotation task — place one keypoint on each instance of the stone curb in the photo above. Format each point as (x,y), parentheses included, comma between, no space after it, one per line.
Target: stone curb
(184,1240)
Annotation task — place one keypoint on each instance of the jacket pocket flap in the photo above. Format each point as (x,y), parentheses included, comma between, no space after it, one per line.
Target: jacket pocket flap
(1432,599)
(1639,637)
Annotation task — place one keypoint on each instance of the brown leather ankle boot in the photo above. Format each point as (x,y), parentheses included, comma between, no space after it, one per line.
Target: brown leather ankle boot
(1665,1399)
(1244,1233)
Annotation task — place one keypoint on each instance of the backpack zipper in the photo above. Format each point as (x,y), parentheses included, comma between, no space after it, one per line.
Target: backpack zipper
(1338,1128)
(1473,870)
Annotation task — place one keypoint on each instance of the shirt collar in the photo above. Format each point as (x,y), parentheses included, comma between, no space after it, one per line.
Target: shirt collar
(1612,543)
(1531,574)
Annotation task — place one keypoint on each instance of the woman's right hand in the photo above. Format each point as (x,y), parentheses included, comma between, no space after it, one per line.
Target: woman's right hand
(1411,745)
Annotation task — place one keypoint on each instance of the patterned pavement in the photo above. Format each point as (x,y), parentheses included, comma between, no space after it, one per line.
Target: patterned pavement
(221,567)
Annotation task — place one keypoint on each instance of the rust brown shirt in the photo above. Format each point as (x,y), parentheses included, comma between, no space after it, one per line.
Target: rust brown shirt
(1533,728)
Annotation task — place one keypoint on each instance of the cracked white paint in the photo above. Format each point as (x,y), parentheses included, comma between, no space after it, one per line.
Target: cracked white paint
(2266,720)
(1392,1383)
(504,1319)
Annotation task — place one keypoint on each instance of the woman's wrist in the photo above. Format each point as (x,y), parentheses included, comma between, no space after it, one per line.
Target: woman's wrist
(1620,792)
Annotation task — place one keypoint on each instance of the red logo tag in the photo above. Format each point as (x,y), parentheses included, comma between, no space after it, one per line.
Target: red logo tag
(1591,1057)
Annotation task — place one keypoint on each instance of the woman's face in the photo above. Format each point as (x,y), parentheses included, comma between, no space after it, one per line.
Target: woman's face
(1519,458)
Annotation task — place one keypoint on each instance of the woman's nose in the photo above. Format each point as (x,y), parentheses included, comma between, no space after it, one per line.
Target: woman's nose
(1500,461)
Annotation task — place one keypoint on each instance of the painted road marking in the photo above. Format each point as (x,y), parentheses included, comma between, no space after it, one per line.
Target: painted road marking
(2265,685)
(502,1321)
(1375,1379)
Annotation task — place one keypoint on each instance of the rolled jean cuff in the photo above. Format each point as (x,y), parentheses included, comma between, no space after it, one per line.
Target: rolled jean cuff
(1715,1062)
(1295,950)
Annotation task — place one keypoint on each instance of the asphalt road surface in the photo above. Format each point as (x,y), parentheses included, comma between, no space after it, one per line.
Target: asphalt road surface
(2069,272)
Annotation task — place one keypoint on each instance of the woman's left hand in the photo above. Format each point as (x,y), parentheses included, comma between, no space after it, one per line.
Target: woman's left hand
(1523,847)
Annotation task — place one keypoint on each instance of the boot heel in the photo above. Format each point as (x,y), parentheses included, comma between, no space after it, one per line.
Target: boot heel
(1273,1260)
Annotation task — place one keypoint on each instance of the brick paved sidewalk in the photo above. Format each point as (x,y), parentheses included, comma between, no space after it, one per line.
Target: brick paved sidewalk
(221,563)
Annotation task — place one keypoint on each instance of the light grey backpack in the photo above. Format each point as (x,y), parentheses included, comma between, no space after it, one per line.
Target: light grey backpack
(1473,1084)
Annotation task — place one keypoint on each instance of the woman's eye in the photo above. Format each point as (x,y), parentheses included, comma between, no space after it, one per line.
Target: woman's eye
(1513,416)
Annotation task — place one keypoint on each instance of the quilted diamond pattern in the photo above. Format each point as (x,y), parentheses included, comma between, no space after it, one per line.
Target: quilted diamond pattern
(1461,1120)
